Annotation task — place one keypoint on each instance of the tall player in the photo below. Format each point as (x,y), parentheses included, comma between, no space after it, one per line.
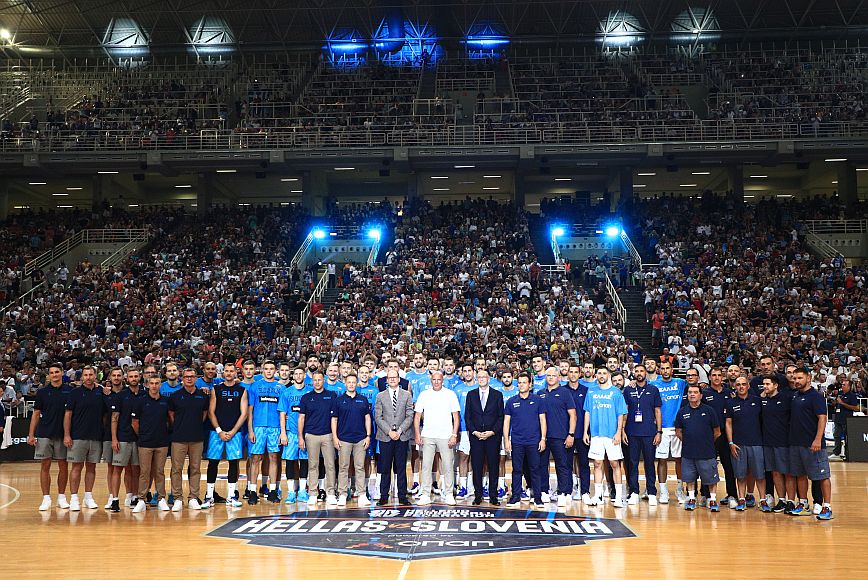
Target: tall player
(227,412)
(368,389)
(248,377)
(672,392)
(605,414)
(46,434)
(581,465)
(263,429)
(417,377)
(462,389)
(171,385)
(538,364)
(296,459)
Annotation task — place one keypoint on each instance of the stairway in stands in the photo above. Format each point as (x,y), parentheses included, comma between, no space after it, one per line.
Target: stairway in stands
(636,328)
(541,236)
(329,297)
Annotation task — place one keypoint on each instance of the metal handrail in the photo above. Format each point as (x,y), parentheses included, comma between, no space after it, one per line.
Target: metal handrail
(620,311)
(552,267)
(821,246)
(836,226)
(634,253)
(296,259)
(121,253)
(95,236)
(556,251)
(317,294)
(21,299)
(372,256)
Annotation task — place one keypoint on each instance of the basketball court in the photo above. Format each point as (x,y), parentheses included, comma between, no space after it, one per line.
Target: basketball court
(599,542)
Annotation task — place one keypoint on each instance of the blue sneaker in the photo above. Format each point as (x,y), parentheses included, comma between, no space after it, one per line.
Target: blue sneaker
(825,513)
(524,496)
(750,501)
(290,497)
(742,505)
(765,507)
(154,500)
(303,496)
(462,493)
(690,504)
(263,490)
(798,510)
(501,492)
(484,491)
(713,506)
(415,489)
(171,499)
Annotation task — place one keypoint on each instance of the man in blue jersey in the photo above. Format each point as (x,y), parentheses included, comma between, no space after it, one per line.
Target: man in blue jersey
(808,459)
(263,430)
(418,379)
(46,434)
(605,414)
(776,441)
(367,388)
(296,459)
(248,377)
(450,377)
(588,378)
(462,389)
(538,364)
(642,432)
(209,378)
(581,465)
(524,437)
(672,392)
(333,379)
(227,413)
(745,438)
(560,410)
(697,427)
(508,388)
(171,385)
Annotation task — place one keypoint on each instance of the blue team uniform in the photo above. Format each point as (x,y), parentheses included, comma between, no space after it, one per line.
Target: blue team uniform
(418,382)
(227,412)
(672,393)
(461,391)
(604,406)
(290,403)
(263,397)
(167,390)
(370,391)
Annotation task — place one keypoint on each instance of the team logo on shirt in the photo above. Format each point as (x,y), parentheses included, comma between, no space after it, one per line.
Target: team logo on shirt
(421,533)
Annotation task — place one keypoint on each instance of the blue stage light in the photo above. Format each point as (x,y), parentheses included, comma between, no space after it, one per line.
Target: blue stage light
(557,232)
(374,234)
(319,234)
(613,231)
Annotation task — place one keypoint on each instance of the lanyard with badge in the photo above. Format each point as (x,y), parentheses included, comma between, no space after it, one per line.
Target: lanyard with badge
(637,417)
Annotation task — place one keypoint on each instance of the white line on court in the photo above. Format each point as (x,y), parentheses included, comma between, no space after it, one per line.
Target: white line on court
(404,569)
(17,495)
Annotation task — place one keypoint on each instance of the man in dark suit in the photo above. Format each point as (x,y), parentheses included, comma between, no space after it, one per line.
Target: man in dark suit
(484,419)
(393,413)
(382,382)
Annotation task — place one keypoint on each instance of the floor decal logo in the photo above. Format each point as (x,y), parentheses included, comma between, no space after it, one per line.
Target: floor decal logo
(421,533)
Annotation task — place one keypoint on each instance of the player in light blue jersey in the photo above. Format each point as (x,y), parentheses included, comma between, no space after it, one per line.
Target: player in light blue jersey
(605,416)
(263,429)
(418,379)
(333,382)
(509,388)
(450,374)
(367,387)
(538,364)
(672,394)
(248,372)
(462,389)
(171,385)
(209,378)
(296,459)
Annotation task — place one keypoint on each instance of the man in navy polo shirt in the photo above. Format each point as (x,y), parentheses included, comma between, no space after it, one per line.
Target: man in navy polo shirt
(643,430)
(46,434)
(560,409)
(150,422)
(351,433)
(581,465)
(845,404)
(187,408)
(745,439)
(716,396)
(776,441)
(808,459)
(125,452)
(696,426)
(315,435)
(524,436)
(82,436)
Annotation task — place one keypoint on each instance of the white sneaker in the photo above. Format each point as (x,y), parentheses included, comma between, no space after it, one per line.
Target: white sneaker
(733,503)
(618,502)
(424,500)
(817,509)
(577,496)
(605,491)
(545,497)
(108,506)
(703,501)
(588,500)
(208,503)
(679,493)
(364,501)
(652,500)
(74,505)
(563,500)
(141,506)
(375,493)
(633,499)
(331,500)
(90,504)
(163,506)
(311,500)
(61,502)
(664,496)
(177,506)
(128,500)
(194,504)
(46,504)
(342,501)
(449,500)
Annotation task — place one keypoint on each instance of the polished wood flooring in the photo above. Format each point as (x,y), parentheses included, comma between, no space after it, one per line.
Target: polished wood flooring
(670,543)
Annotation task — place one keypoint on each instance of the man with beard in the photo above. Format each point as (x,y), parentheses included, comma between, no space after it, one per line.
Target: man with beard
(643,433)
(125,451)
(296,459)
(716,396)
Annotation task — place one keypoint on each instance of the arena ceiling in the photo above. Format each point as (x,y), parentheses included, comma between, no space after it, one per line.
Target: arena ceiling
(47,26)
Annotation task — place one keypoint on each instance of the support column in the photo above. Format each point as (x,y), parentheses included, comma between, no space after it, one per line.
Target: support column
(99,193)
(625,189)
(518,191)
(736,182)
(315,191)
(413,187)
(204,194)
(847,191)
(4,200)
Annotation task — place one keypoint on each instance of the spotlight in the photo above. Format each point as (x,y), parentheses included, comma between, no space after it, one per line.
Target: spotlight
(613,231)
(319,234)
(557,232)
(374,234)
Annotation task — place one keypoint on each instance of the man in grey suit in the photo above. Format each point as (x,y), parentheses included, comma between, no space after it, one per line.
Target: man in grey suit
(393,413)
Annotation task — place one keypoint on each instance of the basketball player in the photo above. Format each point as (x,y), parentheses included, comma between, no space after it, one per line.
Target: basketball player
(82,436)
(171,385)
(150,423)
(467,384)
(744,434)
(227,412)
(368,389)
(46,434)
(263,430)
(524,437)
(538,364)
(672,395)
(605,414)
(296,459)
(418,379)
(248,374)
(697,427)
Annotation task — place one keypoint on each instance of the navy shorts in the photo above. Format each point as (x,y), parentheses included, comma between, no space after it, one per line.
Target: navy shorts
(750,460)
(804,462)
(777,459)
(704,469)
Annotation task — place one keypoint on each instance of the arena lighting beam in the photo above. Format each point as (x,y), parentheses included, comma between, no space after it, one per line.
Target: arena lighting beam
(613,231)
(557,232)
(374,234)
(319,234)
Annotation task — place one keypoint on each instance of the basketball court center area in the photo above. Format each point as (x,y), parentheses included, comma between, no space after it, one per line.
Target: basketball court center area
(465,542)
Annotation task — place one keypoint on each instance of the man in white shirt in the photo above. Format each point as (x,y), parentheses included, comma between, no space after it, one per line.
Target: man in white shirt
(439,407)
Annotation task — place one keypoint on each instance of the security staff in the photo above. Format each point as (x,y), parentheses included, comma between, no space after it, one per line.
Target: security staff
(844,404)
(524,436)
(696,426)
(643,430)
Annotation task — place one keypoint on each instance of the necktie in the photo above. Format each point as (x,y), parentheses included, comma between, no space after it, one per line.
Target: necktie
(395,401)
(484,398)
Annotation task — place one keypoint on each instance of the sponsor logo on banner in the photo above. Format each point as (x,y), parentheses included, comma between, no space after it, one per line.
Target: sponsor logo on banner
(421,533)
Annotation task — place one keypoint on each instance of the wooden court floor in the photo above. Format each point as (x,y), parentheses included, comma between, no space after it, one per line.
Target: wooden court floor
(669,543)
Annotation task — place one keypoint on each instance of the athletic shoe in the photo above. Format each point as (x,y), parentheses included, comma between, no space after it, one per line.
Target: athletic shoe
(435,489)
(524,496)
(61,502)
(208,503)
(247,493)
(46,504)
(765,507)
(74,505)
(742,505)
(608,492)
(218,498)
(177,505)
(364,501)
(140,507)
(679,493)
(664,495)
(382,501)
(321,495)
(152,499)
(331,500)
(290,497)
(108,504)
(172,499)
(501,492)
(233,502)
(750,500)
(790,507)
(577,495)
(303,496)
(563,500)
(342,501)
(449,500)
(90,504)
(416,489)
(825,513)
(633,499)
(539,506)
(253,498)
(780,506)
(375,495)
(817,509)
(493,502)
(703,501)
(194,504)
(263,489)
(149,496)
(652,500)
(545,497)
(799,510)
(163,506)
(690,504)
(618,502)
(128,500)
(462,494)
(588,500)
(272,496)
(513,502)
(484,491)
(733,503)
(713,505)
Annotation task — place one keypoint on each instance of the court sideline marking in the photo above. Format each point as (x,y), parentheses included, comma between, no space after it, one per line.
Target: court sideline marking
(404,569)
(17,495)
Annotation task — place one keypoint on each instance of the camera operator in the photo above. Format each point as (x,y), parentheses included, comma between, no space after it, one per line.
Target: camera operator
(843,401)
